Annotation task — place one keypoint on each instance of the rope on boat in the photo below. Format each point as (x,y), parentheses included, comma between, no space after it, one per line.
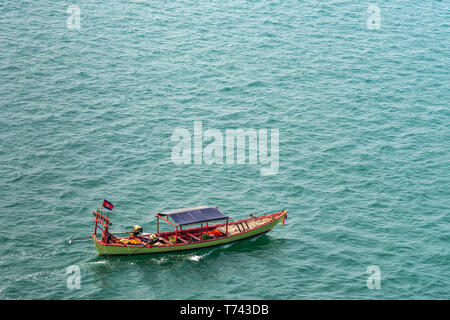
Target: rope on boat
(89,237)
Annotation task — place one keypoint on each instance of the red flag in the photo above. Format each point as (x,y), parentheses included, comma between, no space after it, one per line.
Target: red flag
(108,205)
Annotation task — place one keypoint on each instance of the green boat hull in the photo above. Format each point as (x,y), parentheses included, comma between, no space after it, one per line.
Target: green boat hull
(109,250)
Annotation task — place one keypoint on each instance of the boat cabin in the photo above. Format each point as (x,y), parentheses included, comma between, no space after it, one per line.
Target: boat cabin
(192,216)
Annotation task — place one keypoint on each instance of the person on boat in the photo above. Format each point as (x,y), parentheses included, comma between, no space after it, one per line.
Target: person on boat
(136,232)
(106,236)
(152,239)
(134,237)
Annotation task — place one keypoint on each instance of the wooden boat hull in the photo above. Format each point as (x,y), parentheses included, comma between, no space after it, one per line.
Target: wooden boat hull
(117,249)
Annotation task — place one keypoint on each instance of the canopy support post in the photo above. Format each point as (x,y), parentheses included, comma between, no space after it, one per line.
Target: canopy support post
(157,224)
(226,229)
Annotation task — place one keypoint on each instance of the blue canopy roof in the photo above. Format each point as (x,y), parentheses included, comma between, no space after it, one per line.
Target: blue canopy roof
(194,215)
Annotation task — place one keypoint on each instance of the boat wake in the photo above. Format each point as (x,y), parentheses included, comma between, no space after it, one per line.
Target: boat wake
(196,257)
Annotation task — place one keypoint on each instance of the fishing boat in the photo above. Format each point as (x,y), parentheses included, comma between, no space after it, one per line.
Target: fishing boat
(195,228)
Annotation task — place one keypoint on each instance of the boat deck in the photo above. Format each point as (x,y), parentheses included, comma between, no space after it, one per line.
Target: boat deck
(190,238)
(194,235)
(244,225)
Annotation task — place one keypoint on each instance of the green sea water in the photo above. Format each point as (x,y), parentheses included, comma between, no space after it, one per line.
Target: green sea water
(362,111)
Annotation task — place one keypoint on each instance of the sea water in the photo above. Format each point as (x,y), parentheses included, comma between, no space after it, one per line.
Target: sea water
(92,93)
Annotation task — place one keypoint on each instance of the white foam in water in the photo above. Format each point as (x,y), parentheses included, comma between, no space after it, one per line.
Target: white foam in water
(87,264)
(195,258)
(159,261)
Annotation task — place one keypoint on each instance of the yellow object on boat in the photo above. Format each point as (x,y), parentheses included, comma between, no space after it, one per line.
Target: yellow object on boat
(130,241)
(172,239)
